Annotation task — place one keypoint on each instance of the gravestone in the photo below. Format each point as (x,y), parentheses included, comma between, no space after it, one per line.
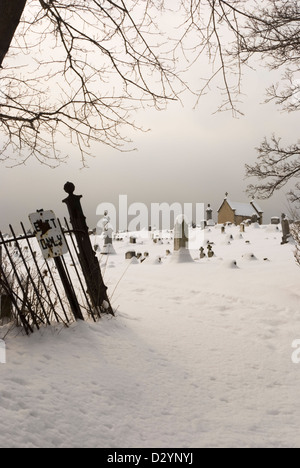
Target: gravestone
(242,227)
(285,229)
(275,220)
(223,229)
(107,229)
(108,236)
(180,233)
(202,254)
(129,255)
(254,218)
(210,252)
(208,213)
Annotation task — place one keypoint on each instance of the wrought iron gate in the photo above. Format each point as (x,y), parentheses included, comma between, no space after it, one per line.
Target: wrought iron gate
(37,292)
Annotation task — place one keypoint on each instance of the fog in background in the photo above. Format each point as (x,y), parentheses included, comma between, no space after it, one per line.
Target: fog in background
(190,155)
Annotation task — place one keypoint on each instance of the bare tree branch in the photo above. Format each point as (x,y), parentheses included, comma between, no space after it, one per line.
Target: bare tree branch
(275,167)
(84,68)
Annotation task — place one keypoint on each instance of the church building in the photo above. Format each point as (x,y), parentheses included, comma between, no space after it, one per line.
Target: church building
(236,212)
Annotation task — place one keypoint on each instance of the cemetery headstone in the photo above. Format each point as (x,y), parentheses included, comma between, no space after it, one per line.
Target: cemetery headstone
(202,253)
(210,252)
(208,213)
(107,229)
(129,255)
(254,218)
(285,229)
(275,220)
(180,233)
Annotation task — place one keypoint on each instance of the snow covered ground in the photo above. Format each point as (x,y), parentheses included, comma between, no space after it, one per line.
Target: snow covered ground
(198,355)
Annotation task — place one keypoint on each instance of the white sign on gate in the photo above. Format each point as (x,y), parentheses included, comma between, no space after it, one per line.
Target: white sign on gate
(48,233)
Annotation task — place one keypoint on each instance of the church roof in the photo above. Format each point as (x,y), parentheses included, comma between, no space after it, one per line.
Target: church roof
(256,206)
(244,209)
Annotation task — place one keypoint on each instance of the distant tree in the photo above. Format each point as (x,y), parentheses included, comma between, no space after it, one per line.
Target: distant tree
(276,166)
(81,68)
(295,231)
(278,41)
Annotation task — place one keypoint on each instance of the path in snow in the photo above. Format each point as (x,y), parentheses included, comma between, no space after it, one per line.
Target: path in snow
(198,355)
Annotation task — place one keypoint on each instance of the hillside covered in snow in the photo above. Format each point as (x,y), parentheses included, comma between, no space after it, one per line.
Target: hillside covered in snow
(198,354)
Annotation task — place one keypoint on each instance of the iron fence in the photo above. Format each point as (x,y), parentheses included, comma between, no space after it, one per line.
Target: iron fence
(37,292)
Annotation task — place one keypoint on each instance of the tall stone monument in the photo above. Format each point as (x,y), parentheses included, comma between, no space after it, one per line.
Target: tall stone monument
(285,229)
(181,233)
(208,213)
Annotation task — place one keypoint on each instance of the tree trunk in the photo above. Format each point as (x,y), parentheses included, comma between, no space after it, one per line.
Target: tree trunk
(10,14)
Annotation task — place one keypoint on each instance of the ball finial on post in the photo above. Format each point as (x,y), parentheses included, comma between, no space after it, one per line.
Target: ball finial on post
(69,187)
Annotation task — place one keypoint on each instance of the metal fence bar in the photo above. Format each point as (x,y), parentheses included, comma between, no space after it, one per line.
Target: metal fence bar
(71,284)
(34,301)
(25,299)
(19,238)
(75,266)
(14,298)
(58,293)
(68,287)
(31,278)
(41,276)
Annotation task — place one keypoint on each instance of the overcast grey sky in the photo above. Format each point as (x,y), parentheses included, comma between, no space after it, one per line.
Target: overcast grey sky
(190,155)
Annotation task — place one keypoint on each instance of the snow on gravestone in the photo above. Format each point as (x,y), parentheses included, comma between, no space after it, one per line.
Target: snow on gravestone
(180,233)
(181,239)
(107,229)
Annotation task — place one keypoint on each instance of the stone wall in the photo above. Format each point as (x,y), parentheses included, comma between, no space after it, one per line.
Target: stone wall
(225,215)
